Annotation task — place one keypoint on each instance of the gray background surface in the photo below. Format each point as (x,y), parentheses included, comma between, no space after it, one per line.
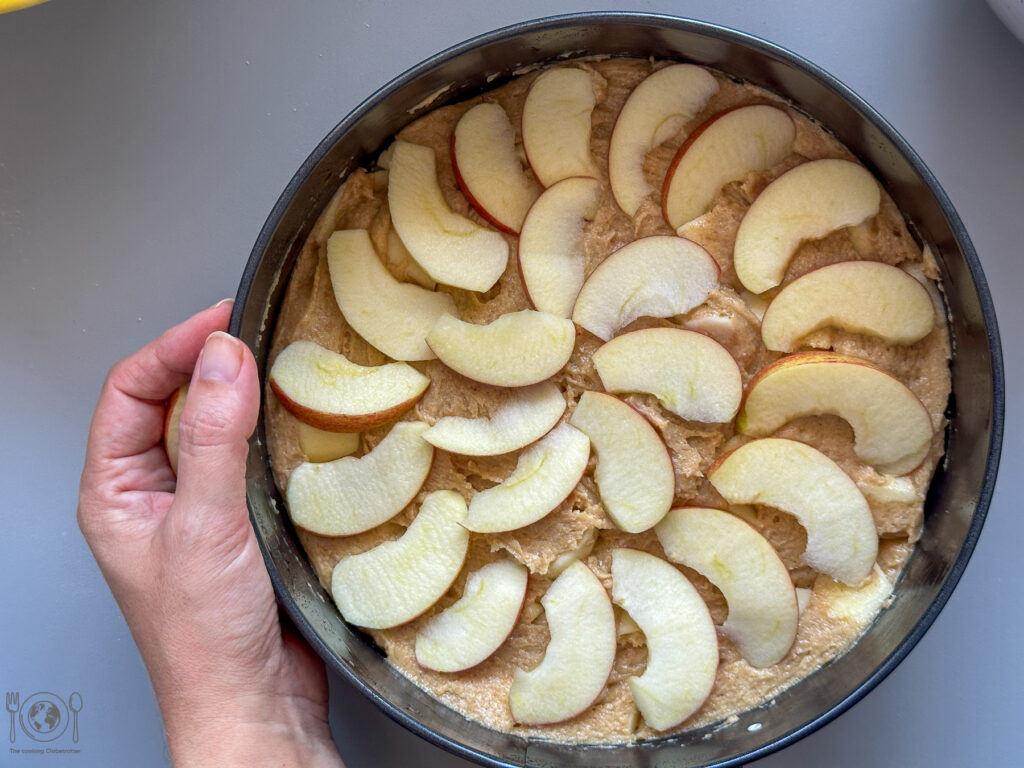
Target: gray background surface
(142,145)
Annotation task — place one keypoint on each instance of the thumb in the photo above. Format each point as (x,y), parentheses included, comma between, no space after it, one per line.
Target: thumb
(219,415)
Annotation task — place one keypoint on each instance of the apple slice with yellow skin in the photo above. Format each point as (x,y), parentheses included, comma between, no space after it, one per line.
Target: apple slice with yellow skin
(634,472)
(859,605)
(763,611)
(656,110)
(891,426)
(578,658)
(398,580)
(726,148)
(682,646)
(580,552)
(551,255)
(319,445)
(351,495)
(402,265)
(691,374)
(451,248)
(474,627)
(526,417)
(556,125)
(867,297)
(545,475)
(392,316)
(657,276)
(798,479)
(516,350)
(807,202)
(328,391)
(172,421)
(488,169)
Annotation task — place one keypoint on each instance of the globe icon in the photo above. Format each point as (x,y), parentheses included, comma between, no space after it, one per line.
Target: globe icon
(43,717)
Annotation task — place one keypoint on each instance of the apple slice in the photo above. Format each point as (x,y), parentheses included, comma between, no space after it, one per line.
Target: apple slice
(891,427)
(517,349)
(682,647)
(796,478)
(805,203)
(858,605)
(866,297)
(396,581)
(350,495)
(726,148)
(488,169)
(527,416)
(392,316)
(471,629)
(319,445)
(172,421)
(556,125)
(579,656)
(400,263)
(763,610)
(452,249)
(691,374)
(329,391)
(657,276)
(634,471)
(580,552)
(551,255)
(656,110)
(545,475)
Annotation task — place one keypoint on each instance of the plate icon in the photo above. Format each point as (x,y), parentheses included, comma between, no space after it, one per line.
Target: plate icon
(43,716)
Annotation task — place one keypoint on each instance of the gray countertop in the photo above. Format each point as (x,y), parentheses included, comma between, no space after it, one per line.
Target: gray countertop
(142,145)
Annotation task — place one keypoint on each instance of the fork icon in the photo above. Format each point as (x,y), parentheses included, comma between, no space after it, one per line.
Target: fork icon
(13,702)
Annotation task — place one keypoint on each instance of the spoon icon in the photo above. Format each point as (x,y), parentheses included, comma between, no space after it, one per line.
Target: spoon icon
(75,704)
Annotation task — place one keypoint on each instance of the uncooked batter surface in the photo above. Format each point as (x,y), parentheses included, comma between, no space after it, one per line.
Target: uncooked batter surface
(828,625)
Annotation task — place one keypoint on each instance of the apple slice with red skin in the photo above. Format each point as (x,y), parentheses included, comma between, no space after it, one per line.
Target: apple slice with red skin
(528,415)
(682,646)
(556,125)
(397,581)
(515,350)
(656,276)
(891,426)
(867,297)
(762,602)
(807,202)
(634,472)
(470,630)
(655,111)
(451,248)
(328,391)
(488,170)
(726,148)
(691,374)
(551,258)
(545,475)
(392,316)
(172,421)
(578,658)
(798,479)
(351,495)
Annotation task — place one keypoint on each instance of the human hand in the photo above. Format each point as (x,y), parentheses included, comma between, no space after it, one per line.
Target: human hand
(182,560)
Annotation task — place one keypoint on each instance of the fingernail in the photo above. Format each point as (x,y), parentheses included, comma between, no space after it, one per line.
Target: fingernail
(222,358)
(222,301)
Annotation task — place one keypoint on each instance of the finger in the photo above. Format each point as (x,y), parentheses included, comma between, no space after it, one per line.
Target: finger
(219,415)
(130,413)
